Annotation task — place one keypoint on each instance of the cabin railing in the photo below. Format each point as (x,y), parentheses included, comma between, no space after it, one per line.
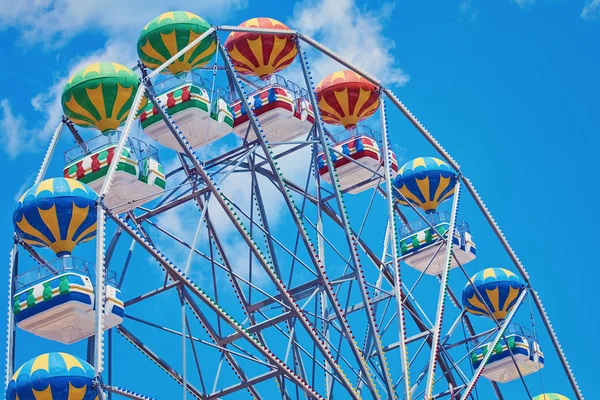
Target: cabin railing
(435,219)
(141,150)
(166,85)
(59,266)
(275,80)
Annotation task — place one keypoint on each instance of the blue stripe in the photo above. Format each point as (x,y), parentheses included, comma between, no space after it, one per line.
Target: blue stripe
(53,302)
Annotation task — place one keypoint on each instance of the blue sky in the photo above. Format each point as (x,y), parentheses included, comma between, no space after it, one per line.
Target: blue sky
(509,87)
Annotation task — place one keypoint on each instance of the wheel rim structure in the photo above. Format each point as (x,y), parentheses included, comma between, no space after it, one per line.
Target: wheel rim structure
(322,309)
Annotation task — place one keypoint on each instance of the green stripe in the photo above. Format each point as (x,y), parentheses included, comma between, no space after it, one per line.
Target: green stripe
(110,88)
(91,177)
(174,110)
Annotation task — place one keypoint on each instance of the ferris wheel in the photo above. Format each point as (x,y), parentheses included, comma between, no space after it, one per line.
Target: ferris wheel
(226,228)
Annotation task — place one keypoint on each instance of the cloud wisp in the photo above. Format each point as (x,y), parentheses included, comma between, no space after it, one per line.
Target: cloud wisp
(591,10)
(356,34)
(53,23)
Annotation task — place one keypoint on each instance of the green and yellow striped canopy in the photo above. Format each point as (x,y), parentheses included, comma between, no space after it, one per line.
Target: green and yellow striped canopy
(100,95)
(170,32)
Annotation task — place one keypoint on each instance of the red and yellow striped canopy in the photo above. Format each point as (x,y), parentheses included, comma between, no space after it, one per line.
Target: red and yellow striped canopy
(346,98)
(261,54)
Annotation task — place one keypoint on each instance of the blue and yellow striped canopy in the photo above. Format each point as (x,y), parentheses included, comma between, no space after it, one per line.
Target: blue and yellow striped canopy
(53,376)
(499,289)
(550,396)
(425,182)
(57,213)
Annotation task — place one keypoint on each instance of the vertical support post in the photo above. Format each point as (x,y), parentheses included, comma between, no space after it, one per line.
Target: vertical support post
(183,344)
(391,235)
(321,254)
(10,323)
(49,153)
(110,364)
(437,329)
(100,290)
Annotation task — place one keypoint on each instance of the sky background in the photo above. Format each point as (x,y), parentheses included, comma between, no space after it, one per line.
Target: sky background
(509,87)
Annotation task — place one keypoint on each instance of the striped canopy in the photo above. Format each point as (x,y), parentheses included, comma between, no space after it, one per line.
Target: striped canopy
(346,98)
(169,33)
(261,54)
(53,376)
(425,182)
(100,96)
(550,396)
(57,213)
(496,288)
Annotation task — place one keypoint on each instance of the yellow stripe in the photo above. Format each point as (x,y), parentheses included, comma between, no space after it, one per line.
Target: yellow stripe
(41,362)
(168,15)
(363,96)
(123,95)
(371,110)
(72,287)
(91,68)
(148,50)
(409,195)
(86,232)
(45,394)
(325,107)
(51,220)
(30,230)
(78,216)
(342,99)
(70,361)
(75,107)
(208,51)
(286,58)
(76,393)
(74,184)
(120,67)
(475,302)
(170,42)
(241,59)
(511,296)
(443,185)
(489,273)
(257,49)
(16,374)
(419,162)
(423,185)
(48,184)
(493,296)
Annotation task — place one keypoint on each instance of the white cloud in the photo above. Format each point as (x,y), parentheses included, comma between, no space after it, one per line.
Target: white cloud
(524,3)
(19,136)
(591,10)
(55,22)
(356,34)
(466,8)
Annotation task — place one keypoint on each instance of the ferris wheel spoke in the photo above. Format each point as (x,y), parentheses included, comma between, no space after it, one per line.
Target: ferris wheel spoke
(125,393)
(157,359)
(210,303)
(297,219)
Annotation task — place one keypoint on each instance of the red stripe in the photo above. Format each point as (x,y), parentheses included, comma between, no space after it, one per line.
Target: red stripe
(340,162)
(261,110)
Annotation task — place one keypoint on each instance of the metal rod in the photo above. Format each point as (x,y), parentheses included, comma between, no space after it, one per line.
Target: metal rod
(391,234)
(437,330)
(49,154)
